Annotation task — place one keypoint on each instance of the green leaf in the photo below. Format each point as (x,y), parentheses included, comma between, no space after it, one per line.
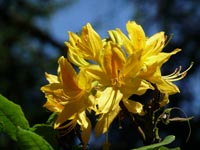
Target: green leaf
(28,140)
(11,116)
(167,140)
(165,148)
(47,132)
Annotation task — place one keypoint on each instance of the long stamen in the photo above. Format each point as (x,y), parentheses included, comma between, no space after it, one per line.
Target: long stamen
(177,74)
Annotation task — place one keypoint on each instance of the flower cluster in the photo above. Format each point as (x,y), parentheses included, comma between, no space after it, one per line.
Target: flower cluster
(99,74)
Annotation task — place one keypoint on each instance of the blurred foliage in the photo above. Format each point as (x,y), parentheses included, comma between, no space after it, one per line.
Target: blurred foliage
(27,50)
(23,53)
(25,43)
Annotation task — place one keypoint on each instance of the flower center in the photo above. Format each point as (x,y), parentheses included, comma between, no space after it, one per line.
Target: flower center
(119,80)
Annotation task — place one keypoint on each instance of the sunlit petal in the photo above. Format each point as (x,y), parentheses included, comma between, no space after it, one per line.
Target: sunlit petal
(76,59)
(133,106)
(51,78)
(52,104)
(68,77)
(154,44)
(68,112)
(112,60)
(136,35)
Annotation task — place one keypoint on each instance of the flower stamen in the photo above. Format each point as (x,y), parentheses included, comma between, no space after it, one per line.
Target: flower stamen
(177,74)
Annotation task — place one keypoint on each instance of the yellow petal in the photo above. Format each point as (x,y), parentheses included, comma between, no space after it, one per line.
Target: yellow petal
(113,59)
(73,38)
(135,86)
(133,106)
(51,78)
(154,44)
(85,125)
(53,104)
(105,101)
(105,120)
(144,86)
(109,98)
(136,35)
(159,59)
(68,77)
(84,81)
(93,38)
(52,88)
(132,66)
(167,87)
(94,71)
(116,37)
(131,87)
(86,46)
(56,92)
(76,59)
(90,44)
(71,109)
(109,108)
(126,42)
(151,69)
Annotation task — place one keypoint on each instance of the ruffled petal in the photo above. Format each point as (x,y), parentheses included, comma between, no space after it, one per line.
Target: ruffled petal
(133,106)
(136,35)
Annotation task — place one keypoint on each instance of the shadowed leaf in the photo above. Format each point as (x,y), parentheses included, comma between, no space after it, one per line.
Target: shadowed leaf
(47,132)
(28,140)
(11,116)
(159,146)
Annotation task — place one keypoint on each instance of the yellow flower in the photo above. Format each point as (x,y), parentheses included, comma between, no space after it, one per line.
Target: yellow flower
(119,81)
(86,46)
(109,72)
(150,55)
(68,95)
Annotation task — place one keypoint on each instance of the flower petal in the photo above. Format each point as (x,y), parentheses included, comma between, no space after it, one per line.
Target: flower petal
(51,78)
(52,104)
(71,109)
(93,39)
(133,106)
(68,76)
(85,125)
(154,44)
(136,35)
(112,60)
(105,120)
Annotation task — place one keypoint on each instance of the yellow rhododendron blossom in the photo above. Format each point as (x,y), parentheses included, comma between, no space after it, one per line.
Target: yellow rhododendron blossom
(109,72)
(113,74)
(150,54)
(67,94)
(86,46)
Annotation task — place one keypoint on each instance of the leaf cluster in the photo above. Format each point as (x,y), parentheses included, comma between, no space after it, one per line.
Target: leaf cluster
(16,126)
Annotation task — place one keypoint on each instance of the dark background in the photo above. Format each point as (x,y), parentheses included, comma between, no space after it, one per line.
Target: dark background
(28,50)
